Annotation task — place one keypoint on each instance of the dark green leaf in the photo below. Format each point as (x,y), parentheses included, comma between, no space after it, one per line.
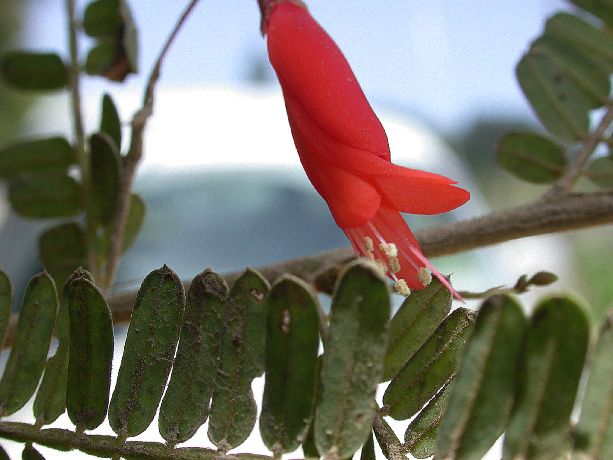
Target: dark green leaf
(420,436)
(105,168)
(552,363)
(34,71)
(50,400)
(109,120)
(62,250)
(531,157)
(6,303)
(291,363)
(482,391)
(186,403)
(555,98)
(416,320)
(600,172)
(102,18)
(30,453)
(136,217)
(233,409)
(353,360)
(32,338)
(52,155)
(45,196)
(368,449)
(433,365)
(387,439)
(102,57)
(148,352)
(594,432)
(573,32)
(599,8)
(91,354)
(308,445)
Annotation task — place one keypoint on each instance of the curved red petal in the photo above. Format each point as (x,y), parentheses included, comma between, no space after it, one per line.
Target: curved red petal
(313,69)
(421,194)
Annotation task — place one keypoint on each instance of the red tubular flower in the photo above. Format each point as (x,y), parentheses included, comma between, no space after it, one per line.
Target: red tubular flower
(344,150)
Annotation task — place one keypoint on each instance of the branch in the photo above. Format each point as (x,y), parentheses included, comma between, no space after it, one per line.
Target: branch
(79,131)
(568,179)
(569,212)
(108,446)
(135,152)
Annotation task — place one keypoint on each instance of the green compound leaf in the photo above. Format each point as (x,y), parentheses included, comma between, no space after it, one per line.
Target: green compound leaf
(105,184)
(186,403)
(291,363)
(32,338)
(553,357)
(45,197)
(353,360)
(30,453)
(52,155)
(531,157)
(594,432)
(33,71)
(482,391)
(148,352)
(6,303)
(136,217)
(50,400)
(242,355)
(62,250)
(420,436)
(368,449)
(110,122)
(602,9)
(416,320)
(555,98)
(91,354)
(600,172)
(433,365)
(102,18)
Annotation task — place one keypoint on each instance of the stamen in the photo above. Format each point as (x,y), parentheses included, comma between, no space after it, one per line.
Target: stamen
(394,263)
(425,276)
(436,273)
(402,288)
(369,244)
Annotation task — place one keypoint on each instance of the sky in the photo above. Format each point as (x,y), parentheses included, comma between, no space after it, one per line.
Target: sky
(443,61)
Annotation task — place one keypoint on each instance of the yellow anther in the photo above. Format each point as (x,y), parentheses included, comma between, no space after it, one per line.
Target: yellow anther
(394,264)
(389,249)
(425,276)
(368,243)
(402,288)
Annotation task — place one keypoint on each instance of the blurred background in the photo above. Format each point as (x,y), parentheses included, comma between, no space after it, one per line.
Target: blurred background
(220,176)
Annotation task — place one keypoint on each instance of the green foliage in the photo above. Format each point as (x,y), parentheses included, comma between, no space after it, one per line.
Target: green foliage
(106,175)
(6,303)
(48,156)
(62,250)
(600,172)
(353,360)
(531,157)
(431,367)
(33,71)
(416,320)
(110,123)
(32,338)
(551,366)
(242,355)
(151,343)
(594,432)
(45,197)
(183,412)
(482,392)
(91,353)
(292,341)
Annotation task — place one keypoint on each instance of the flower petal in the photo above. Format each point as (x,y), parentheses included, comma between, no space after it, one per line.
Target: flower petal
(312,67)
(421,194)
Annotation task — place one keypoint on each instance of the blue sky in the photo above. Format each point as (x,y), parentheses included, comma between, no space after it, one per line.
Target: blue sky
(441,60)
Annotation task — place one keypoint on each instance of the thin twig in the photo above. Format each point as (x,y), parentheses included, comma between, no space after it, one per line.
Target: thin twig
(570,212)
(107,446)
(79,131)
(135,152)
(565,183)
